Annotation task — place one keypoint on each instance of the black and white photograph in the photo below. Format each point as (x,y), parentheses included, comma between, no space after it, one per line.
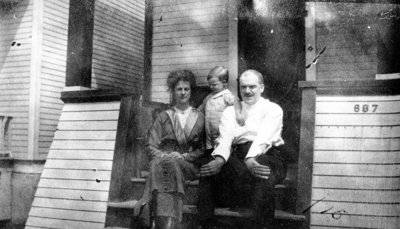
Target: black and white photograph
(199,114)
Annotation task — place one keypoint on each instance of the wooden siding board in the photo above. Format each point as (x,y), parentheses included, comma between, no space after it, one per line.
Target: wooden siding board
(356,183)
(123,65)
(87,125)
(110,21)
(52,41)
(343,144)
(351,221)
(191,40)
(94,206)
(16,26)
(190,33)
(199,59)
(115,39)
(43,222)
(88,115)
(68,214)
(85,135)
(161,71)
(55,28)
(128,83)
(189,47)
(356,162)
(128,37)
(100,106)
(205,20)
(171,5)
(132,82)
(388,210)
(118,47)
(356,157)
(55,51)
(204,10)
(81,154)
(50,111)
(357,132)
(360,196)
(58,4)
(192,54)
(85,195)
(372,169)
(80,144)
(198,28)
(76,176)
(116,50)
(21,70)
(14,53)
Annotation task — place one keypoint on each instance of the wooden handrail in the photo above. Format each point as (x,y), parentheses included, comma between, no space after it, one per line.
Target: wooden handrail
(5,136)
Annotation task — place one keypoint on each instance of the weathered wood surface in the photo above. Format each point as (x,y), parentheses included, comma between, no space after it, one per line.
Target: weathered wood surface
(356,168)
(74,185)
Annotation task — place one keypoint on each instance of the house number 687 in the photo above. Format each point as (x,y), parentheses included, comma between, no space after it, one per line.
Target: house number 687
(365,108)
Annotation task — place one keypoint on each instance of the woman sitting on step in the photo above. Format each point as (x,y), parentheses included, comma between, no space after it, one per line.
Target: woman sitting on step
(175,145)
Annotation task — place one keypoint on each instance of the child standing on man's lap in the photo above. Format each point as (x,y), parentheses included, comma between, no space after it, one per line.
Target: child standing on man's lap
(216,102)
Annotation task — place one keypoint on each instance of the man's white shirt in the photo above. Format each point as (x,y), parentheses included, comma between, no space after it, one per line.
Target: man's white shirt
(263,127)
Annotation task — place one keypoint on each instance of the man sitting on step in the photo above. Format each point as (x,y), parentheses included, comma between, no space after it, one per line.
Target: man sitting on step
(245,165)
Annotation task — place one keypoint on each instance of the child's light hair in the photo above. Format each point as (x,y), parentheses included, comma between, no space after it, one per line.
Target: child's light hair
(220,72)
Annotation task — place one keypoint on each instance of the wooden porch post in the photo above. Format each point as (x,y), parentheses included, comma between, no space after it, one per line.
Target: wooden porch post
(306,154)
(80,43)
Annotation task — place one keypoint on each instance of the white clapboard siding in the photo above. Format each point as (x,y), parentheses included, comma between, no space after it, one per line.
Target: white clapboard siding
(53,68)
(353,221)
(40,222)
(190,34)
(356,196)
(87,195)
(118,44)
(15,59)
(73,188)
(356,169)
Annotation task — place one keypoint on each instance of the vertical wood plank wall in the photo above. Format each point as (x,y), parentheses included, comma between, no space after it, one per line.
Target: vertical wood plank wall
(15,66)
(118,44)
(356,169)
(188,34)
(54,51)
(73,189)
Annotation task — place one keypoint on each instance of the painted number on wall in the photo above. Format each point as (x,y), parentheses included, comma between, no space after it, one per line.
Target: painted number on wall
(364,108)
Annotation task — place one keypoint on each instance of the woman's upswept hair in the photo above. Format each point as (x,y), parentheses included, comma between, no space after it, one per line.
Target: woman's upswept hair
(180,75)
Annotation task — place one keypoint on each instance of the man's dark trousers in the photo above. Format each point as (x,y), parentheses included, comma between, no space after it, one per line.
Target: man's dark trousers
(235,186)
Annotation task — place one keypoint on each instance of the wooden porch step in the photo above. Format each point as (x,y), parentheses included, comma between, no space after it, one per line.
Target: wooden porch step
(284,193)
(227,212)
(196,183)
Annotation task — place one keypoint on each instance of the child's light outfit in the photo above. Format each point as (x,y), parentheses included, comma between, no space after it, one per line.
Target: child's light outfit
(213,106)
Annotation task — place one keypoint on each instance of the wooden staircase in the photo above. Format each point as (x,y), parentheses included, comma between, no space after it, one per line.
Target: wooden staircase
(120,212)
(129,171)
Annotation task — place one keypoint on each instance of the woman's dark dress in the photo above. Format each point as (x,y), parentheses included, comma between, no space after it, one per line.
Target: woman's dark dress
(167,176)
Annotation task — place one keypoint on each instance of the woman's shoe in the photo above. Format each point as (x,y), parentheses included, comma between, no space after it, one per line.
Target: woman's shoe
(164,222)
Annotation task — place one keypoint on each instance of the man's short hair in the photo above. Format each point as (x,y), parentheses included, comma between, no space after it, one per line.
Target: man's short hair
(220,72)
(252,71)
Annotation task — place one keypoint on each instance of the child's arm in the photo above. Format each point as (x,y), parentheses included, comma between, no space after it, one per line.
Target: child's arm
(233,100)
(238,112)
